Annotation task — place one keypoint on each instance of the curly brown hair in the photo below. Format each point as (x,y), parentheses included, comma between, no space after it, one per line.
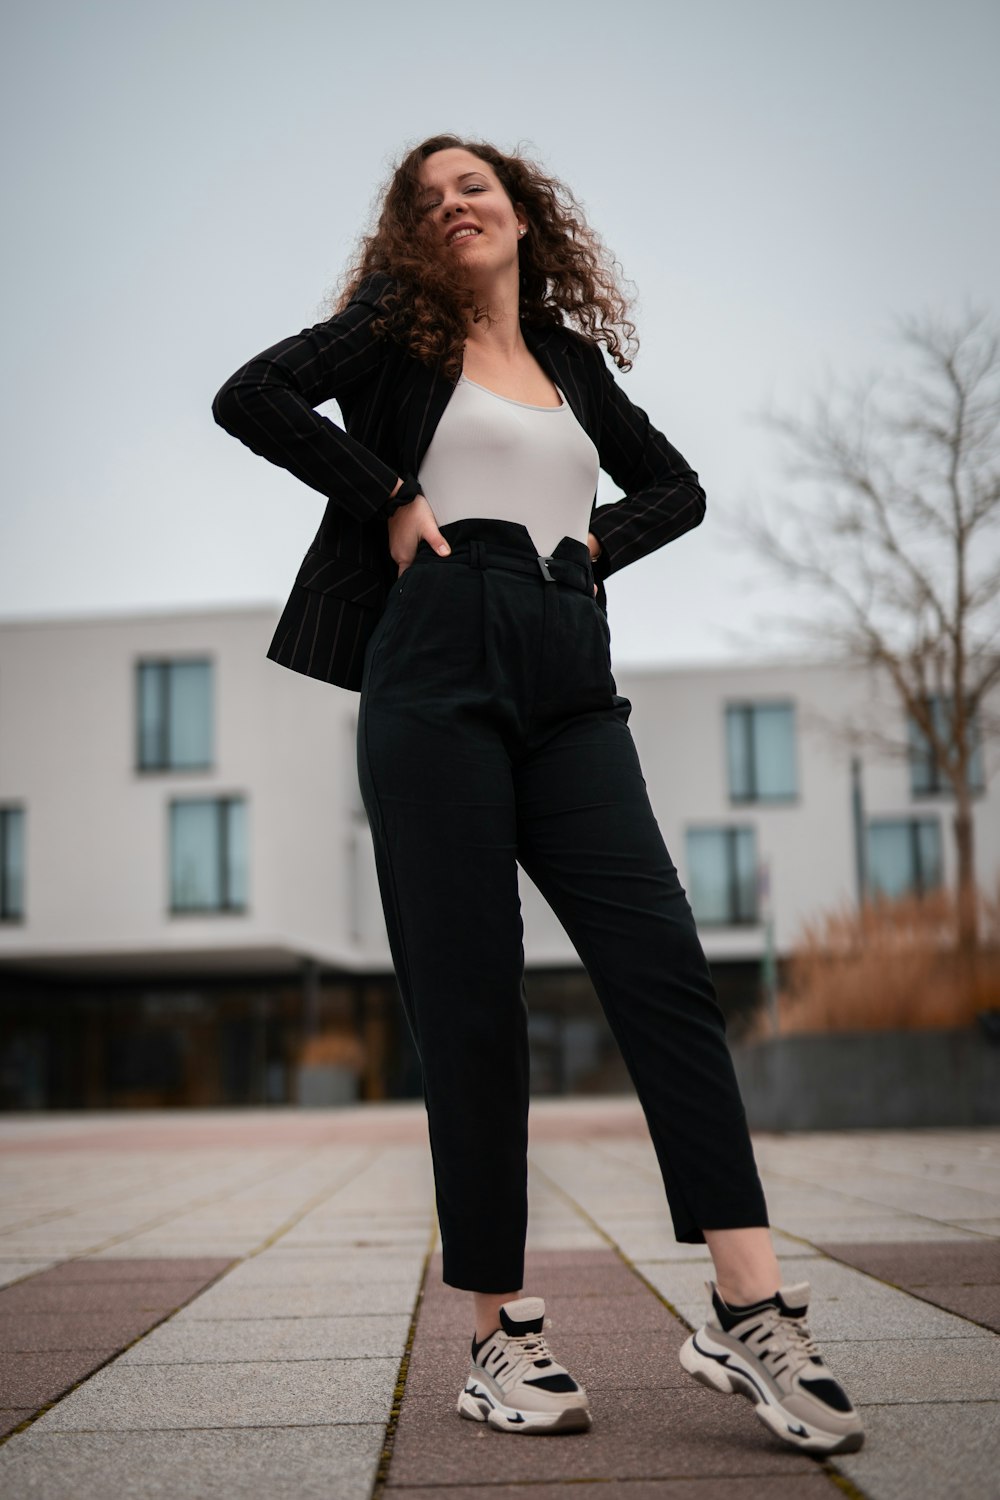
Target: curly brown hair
(566,273)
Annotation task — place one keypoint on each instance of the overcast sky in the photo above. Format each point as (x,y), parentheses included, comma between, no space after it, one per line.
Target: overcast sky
(184,182)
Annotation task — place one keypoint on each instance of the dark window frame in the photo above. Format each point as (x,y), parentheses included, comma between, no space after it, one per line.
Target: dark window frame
(919,886)
(745,708)
(223,805)
(733,916)
(922,759)
(162,762)
(9,913)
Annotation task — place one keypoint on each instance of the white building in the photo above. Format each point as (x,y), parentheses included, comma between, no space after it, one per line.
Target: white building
(188,904)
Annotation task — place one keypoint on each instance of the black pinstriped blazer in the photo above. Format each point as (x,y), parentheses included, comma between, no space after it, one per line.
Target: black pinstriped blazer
(391,404)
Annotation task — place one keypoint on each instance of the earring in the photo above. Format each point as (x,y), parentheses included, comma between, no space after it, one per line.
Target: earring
(522,231)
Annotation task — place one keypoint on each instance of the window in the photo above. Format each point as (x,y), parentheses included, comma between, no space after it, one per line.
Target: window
(208,854)
(722,875)
(926,774)
(904,856)
(760,747)
(174,716)
(11,864)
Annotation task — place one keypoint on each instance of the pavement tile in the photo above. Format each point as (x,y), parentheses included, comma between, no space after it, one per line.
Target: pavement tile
(33,1379)
(823,1202)
(580,1238)
(338,1299)
(609,1276)
(564,1315)
(555,1262)
(981,1304)
(611,1314)
(129,1270)
(69,1330)
(373,1237)
(281,1463)
(155,1297)
(819,1230)
(910,1264)
(121,1396)
(243,1340)
(887,1370)
(144,1246)
(934,1451)
(766,1487)
(344,1254)
(373,1233)
(643,1245)
(329,1269)
(636,1435)
(51,1249)
(664,1250)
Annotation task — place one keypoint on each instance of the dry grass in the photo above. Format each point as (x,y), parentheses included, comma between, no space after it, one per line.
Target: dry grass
(892,965)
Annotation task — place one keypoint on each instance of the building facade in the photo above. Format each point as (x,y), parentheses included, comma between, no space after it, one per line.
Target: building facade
(188,904)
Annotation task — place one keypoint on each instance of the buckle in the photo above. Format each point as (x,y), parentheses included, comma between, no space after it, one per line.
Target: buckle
(543,563)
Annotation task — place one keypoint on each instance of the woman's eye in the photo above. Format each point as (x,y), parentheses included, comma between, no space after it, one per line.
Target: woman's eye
(476,187)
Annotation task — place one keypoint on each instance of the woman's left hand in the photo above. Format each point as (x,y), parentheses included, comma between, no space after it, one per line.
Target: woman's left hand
(408,527)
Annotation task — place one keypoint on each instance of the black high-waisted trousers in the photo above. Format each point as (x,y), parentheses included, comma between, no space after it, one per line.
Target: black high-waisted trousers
(491,735)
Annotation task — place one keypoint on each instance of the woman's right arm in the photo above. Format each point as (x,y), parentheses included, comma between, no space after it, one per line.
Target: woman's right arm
(268,405)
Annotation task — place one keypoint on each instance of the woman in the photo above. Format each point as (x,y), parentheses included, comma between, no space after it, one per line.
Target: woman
(466,359)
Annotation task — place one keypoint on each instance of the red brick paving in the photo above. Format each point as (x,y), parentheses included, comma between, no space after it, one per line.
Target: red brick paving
(11,1418)
(41,1331)
(963,1262)
(118,1272)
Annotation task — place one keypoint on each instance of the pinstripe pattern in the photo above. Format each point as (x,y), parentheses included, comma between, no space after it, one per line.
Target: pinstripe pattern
(391,405)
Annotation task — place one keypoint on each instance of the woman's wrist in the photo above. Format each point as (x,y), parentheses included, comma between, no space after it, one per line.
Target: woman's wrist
(405,491)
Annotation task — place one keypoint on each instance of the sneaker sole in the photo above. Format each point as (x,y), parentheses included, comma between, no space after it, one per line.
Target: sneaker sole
(790,1429)
(478,1405)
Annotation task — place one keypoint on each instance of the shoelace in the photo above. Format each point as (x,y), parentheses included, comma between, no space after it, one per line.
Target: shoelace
(522,1349)
(785,1338)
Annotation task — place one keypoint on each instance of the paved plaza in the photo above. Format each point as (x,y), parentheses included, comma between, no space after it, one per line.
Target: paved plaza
(227,1304)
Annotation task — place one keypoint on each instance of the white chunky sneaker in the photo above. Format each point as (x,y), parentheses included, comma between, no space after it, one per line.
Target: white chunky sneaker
(515,1384)
(765,1351)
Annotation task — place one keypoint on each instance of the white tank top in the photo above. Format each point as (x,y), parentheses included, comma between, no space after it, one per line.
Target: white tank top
(505,460)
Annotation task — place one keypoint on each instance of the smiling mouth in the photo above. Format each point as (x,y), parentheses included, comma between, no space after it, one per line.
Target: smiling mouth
(465,233)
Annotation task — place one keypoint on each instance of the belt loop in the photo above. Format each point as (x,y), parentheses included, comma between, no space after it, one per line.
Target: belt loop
(476,551)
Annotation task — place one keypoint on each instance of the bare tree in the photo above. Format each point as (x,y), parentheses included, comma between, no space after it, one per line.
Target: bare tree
(898,532)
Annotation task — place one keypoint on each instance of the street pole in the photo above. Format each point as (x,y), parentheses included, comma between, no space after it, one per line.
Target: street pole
(858,815)
(769,965)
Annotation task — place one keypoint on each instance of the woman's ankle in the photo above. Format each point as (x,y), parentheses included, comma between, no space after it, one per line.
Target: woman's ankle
(487,1305)
(746,1295)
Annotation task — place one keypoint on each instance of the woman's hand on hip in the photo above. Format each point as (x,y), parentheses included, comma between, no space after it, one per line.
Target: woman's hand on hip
(410,525)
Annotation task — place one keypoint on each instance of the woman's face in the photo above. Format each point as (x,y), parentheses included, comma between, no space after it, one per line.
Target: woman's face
(470,214)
